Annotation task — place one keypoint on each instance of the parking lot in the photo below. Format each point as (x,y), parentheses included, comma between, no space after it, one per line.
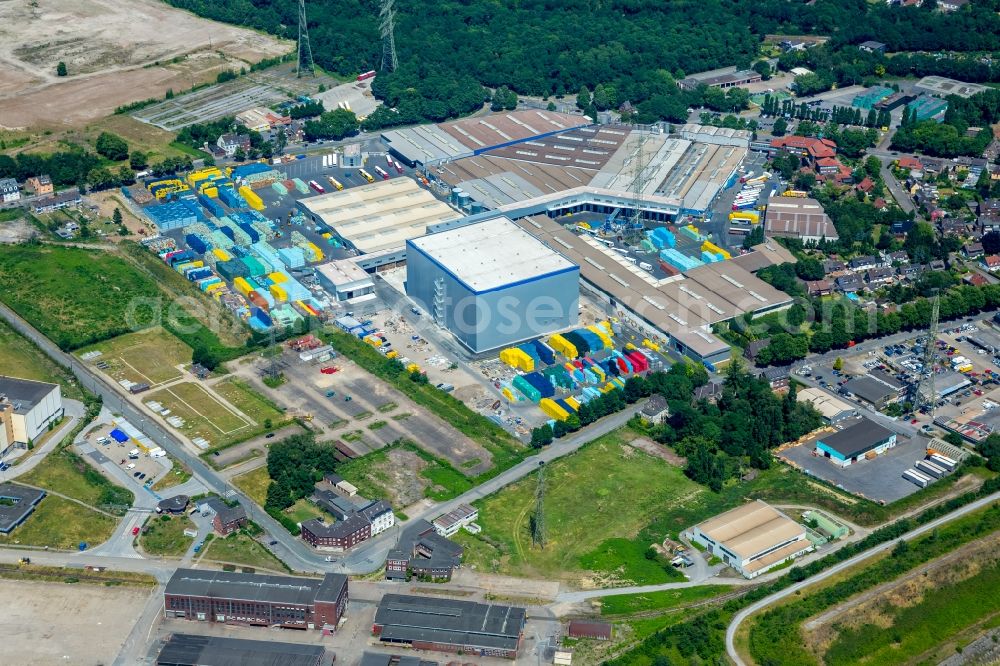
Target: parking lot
(132,463)
(880,480)
(364,412)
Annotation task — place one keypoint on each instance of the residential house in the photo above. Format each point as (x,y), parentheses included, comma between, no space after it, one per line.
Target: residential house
(849,283)
(777,378)
(951,5)
(67,199)
(831,169)
(902,227)
(991,262)
(976,280)
(910,164)
(880,204)
(227,519)
(938,265)
(805,147)
(972,250)
(229,143)
(988,223)
(952,226)
(9,191)
(864,263)
(655,409)
(819,287)
(40,185)
(872,46)
(910,271)
(879,276)
(866,185)
(989,207)
(710,391)
(831,266)
(897,257)
(753,349)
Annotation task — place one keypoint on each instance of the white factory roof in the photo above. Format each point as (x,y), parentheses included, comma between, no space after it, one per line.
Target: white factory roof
(382,215)
(751,529)
(343,272)
(492,254)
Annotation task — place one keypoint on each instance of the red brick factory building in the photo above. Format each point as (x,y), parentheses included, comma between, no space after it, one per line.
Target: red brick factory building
(256,599)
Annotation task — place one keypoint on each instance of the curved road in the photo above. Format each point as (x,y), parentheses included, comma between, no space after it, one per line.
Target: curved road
(738,619)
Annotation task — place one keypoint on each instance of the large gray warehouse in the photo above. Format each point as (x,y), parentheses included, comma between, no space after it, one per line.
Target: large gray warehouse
(491,284)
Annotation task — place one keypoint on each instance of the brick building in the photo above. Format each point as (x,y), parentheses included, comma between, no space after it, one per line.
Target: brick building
(256,599)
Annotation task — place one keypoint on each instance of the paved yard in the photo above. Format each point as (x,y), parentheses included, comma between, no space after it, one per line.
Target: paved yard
(879,480)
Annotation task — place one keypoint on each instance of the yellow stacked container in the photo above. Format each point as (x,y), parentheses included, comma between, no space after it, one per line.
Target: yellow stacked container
(551,408)
(516,358)
(242,286)
(709,246)
(563,346)
(574,403)
(277,277)
(745,215)
(279,293)
(507,393)
(649,344)
(317,254)
(221,254)
(251,198)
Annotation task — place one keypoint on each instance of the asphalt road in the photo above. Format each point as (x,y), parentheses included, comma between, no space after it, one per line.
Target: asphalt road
(738,619)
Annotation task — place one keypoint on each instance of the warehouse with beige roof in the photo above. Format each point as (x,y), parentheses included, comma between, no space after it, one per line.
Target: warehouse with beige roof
(752,538)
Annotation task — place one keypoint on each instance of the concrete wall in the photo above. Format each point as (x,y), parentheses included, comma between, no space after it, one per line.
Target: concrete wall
(30,426)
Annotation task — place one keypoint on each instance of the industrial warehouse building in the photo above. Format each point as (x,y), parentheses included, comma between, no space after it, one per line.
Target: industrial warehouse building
(16,504)
(752,538)
(856,441)
(27,408)
(801,218)
(190,650)
(677,310)
(450,625)
(256,599)
(378,217)
(491,284)
(346,282)
(832,409)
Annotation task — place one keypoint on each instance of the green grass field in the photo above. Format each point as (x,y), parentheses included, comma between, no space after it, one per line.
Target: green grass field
(663,600)
(942,614)
(74,296)
(238,548)
(242,396)
(204,416)
(62,524)
(150,356)
(370,473)
(20,358)
(177,475)
(304,510)
(164,535)
(605,491)
(65,472)
(254,484)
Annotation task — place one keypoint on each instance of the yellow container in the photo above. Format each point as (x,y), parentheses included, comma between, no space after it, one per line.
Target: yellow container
(277,277)
(563,346)
(709,246)
(549,406)
(242,286)
(252,198)
(605,338)
(649,344)
(516,358)
(278,292)
(574,403)
(221,254)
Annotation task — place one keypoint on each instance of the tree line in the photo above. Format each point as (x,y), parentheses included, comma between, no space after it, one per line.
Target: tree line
(623,50)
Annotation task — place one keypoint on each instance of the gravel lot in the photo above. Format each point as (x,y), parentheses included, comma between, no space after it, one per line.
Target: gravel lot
(56,623)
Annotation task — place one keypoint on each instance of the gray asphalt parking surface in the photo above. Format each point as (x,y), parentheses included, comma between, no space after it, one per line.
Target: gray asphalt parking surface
(880,479)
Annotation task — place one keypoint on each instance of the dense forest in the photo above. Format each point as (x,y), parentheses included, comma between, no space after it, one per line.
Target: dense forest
(634,49)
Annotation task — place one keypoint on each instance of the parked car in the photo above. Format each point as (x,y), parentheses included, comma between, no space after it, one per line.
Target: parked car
(135,530)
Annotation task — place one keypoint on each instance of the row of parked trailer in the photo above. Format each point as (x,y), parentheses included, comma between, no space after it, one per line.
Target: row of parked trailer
(925,472)
(750,192)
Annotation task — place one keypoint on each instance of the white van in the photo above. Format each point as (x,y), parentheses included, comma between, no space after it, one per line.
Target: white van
(130,466)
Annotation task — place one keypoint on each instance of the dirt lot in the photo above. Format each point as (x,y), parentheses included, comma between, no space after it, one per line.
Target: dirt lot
(91,625)
(375,415)
(106,45)
(17,231)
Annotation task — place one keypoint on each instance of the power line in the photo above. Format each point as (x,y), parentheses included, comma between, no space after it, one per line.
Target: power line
(305,66)
(925,392)
(538,519)
(387,26)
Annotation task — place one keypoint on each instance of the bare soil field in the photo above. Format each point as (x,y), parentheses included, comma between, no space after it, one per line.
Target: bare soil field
(90,627)
(116,52)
